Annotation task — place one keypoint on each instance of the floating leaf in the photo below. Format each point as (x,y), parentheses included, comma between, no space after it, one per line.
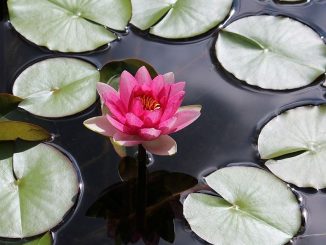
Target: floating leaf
(8,103)
(118,204)
(13,130)
(179,18)
(69,26)
(46,239)
(110,73)
(272,52)
(255,207)
(38,186)
(295,143)
(57,87)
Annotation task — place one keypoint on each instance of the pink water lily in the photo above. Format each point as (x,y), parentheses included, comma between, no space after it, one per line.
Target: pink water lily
(144,111)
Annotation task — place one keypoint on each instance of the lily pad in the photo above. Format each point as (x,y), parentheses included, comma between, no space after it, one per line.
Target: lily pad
(179,18)
(57,87)
(38,186)
(69,26)
(13,130)
(294,143)
(255,207)
(272,52)
(46,239)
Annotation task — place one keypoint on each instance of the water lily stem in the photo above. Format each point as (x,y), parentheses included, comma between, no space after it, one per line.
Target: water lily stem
(141,186)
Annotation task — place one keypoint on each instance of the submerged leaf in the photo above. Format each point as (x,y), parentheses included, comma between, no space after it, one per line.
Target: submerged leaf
(110,73)
(255,208)
(38,186)
(179,18)
(8,103)
(265,51)
(57,87)
(294,143)
(13,130)
(69,26)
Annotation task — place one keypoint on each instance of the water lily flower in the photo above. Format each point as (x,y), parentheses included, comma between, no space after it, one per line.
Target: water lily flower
(144,111)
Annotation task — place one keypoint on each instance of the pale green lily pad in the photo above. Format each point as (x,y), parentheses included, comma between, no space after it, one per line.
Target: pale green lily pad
(255,208)
(179,18)
(69,26)
(294,143)
(38,186)
(272,52)
(57,87)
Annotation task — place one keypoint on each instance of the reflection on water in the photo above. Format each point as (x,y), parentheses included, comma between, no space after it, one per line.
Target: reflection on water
(119,203)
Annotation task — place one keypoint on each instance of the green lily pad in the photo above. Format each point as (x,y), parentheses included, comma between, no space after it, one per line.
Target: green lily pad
(69,26)
(179,18)
(57,87)
(46,239)
(8,103)
(255,207)
(294,143)
(265,51)
(13,130)
(38,186)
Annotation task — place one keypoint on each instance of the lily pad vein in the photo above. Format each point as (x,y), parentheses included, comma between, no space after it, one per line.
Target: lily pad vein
(264,47)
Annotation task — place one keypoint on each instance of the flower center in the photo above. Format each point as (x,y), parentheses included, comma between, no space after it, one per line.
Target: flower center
(149,103)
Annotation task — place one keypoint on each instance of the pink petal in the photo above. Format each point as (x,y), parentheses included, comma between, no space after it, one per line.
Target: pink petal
(149,133)
(185,116)
(176,88)
(151,118)
(167,125)
(106,92)
(128,142)
(157,85)
(117,113)
(126,139)
(127,84)
(134,121)
(172,105)
(169,77)
(118,125)
(143,76)
(163,146)
(100,125)
(137,107)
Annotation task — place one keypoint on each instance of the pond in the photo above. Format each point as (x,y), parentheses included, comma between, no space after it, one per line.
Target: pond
(227,131)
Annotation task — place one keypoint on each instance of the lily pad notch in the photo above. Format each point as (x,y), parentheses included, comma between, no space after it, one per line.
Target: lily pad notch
(57,87)
(69,26)
(175,19)
(254,207)
(38,187)
(254,46)
(294,145)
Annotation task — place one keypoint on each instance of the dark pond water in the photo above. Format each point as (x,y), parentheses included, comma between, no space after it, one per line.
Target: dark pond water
(225,133)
